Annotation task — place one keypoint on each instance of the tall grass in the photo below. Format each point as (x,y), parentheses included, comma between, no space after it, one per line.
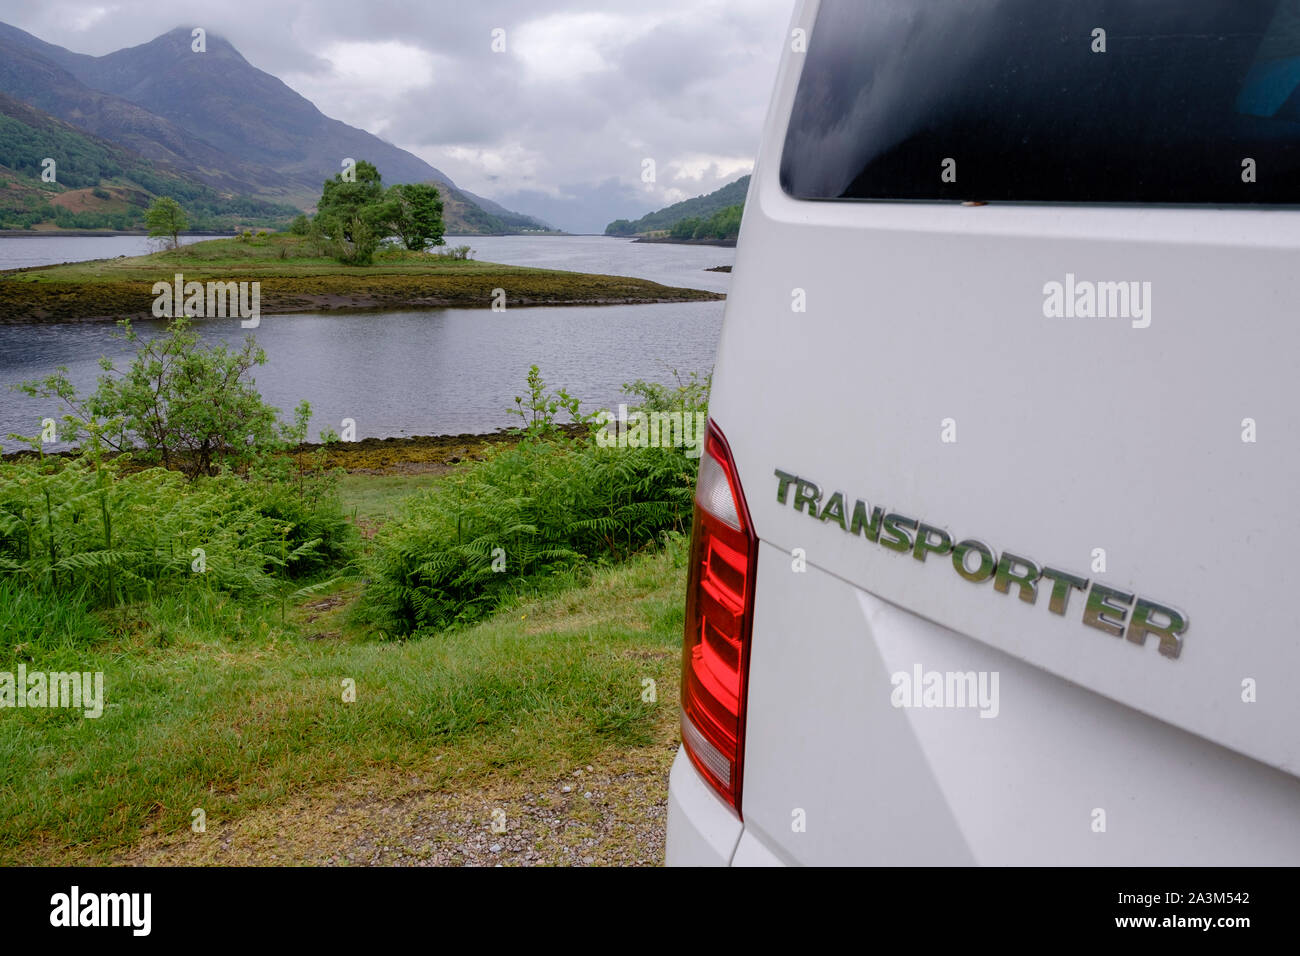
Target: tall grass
(31,619)
(205,720)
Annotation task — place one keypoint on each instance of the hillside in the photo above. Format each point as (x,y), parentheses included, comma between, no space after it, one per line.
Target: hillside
(218,120)
(28,75)
(101,185)
(701,208)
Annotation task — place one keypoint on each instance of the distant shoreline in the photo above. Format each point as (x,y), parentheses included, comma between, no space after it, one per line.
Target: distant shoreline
(725,243)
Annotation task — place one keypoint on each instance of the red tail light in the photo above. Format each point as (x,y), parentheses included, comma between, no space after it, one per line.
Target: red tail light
(719,616)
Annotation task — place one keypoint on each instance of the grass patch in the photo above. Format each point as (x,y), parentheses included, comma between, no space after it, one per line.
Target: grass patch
(221,706)
(257,700)
(370,498)
(270,256)
(29,618)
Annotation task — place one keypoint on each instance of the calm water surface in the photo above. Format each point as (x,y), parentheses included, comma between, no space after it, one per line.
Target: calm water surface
(23,251)
(441,371)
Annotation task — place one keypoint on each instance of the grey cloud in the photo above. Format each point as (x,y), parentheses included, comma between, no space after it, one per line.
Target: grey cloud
(695,85)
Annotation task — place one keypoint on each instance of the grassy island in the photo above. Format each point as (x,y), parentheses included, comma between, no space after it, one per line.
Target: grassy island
(296,277)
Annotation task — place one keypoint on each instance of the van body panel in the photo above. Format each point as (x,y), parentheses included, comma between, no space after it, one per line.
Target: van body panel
(904,355)
(884,785)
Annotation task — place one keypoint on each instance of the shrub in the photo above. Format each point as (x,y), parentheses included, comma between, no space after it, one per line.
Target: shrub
(301,496)
(537,414)
(179,402)
(536,511)
(89,526)
(69,526)
(531,516)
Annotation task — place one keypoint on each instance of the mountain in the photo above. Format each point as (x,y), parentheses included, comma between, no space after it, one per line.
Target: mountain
(219,96)
(102,185)
(218,117)
(27,74)
(701,207)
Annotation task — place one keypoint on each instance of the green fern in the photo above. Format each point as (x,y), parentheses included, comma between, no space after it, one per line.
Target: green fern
(88,527)
(552,507)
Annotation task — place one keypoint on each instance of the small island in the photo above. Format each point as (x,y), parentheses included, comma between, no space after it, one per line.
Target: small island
(295,277)
(367,248)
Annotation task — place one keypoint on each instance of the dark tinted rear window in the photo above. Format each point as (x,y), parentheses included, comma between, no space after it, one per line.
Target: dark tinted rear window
(1016,95)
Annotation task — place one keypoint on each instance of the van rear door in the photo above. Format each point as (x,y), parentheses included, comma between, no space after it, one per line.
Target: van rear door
(1008,373)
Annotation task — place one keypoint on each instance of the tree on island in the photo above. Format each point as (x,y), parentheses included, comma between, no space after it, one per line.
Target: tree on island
(416,215)
(354,215)
(349,214)
(166,218)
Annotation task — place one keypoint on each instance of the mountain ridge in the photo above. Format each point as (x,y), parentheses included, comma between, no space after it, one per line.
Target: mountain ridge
(99,184)
(172,105)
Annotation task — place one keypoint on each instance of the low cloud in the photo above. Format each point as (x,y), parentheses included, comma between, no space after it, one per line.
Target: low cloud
(558,125)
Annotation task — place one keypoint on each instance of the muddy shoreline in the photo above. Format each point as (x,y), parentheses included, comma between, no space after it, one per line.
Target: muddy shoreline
(725,243)
(383,456)
(26,301)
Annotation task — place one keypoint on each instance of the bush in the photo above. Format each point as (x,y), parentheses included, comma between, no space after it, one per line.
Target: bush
(532,516)
(71,527)
(302,497)
(179,402)
(90,527)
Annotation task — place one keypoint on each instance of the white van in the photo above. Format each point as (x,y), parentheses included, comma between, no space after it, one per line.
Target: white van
(992,552)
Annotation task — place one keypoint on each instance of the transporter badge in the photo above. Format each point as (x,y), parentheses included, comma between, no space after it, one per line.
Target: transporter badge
(1108,609)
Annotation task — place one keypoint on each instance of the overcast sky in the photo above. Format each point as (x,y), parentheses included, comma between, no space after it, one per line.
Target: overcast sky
(557,126)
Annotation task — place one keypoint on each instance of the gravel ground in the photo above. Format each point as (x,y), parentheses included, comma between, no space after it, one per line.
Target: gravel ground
(611,812)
